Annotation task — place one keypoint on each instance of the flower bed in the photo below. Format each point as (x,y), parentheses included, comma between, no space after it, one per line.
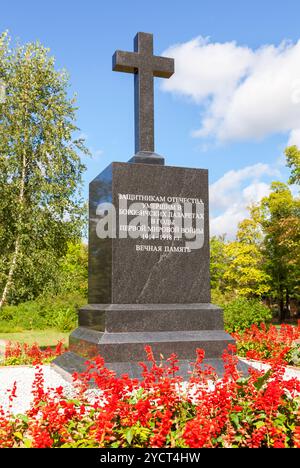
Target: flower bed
(266,344)
(261,410)
(17,354)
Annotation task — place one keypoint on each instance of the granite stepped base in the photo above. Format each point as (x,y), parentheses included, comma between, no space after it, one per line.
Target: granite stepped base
(121,318)
(119,333)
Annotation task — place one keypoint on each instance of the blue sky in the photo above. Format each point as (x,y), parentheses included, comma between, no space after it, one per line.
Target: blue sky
(228,109)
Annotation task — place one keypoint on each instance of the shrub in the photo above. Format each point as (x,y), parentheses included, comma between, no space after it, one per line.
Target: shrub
(6,327)
(221,298)
(261,410)
(65,319)
(59,312)
(72,272)
(241,313)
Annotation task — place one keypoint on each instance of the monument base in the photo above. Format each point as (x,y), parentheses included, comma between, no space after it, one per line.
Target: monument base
(120,332)
(69,362)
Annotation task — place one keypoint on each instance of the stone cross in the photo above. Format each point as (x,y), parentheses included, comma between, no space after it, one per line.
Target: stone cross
(145,66)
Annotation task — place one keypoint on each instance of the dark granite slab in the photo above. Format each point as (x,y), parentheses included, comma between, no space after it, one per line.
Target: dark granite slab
(119,347)
(118,273)
(114,318)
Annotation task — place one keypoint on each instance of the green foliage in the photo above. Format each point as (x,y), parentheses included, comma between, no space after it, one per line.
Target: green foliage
(218,262)
(245,274)
(237,267)
(293,357)
(8,327)
(221,298)
(38,271)
(43,338)
(241,313)
(65,318)
(41,209)
(58,312)
(293,161)
(279,217)
(73,271)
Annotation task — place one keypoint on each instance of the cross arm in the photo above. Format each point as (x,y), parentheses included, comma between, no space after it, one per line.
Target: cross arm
(163,67)
(125,61)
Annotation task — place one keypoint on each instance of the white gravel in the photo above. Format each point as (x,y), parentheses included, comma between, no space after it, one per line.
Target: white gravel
(290,372)
(24,377)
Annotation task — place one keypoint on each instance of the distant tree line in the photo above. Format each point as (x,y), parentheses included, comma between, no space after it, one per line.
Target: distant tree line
(264,260)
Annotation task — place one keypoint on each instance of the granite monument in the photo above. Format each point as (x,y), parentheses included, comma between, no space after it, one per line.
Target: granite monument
(148,249)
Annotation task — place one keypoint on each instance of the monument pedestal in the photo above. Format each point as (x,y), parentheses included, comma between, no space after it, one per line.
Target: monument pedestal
(119,333)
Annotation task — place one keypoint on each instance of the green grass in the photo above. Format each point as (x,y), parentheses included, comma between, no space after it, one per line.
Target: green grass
(43,338)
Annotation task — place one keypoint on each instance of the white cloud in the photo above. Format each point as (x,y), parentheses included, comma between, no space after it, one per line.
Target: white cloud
(244,93)
(233,193)
(227,222)
(294,138)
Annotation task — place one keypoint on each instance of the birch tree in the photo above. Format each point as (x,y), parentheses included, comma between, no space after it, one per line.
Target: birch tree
(40,170)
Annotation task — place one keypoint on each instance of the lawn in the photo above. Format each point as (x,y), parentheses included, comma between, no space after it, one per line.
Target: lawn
(42,337)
